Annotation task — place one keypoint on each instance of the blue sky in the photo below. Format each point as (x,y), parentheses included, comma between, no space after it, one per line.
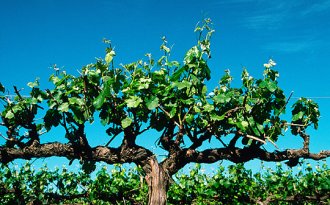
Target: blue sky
(38,33)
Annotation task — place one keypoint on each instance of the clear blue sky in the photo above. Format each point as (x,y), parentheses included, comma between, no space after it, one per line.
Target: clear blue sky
(35,34)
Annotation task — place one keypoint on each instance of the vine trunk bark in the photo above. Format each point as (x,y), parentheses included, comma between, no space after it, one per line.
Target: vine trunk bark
(157,181)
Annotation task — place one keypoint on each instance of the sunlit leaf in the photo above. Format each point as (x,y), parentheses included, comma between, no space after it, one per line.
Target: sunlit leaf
(126,122)
(181,85)
(33,84)
(221,98)
(216,117)
(9,115)
(243,125)
(152,103)
(298,116)
(173,112)
(64,107)
(133,101)
(270,85)
(54,79)
(208,107)
(165,48)
(109,56)
(75,100)
(191,54)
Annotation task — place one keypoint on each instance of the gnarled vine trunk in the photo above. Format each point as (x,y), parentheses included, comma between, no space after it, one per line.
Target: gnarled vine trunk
(158,182)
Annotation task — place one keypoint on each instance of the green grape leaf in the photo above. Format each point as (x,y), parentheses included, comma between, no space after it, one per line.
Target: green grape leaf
(177,74)
(216,117)
(270,85)
(298,116)
(133,101)
(181,85)
(109,56)
(64,107)
(99,100)
(126,122)
(75,100)
(33,84)
(242,125)
(9,115)
(152,103)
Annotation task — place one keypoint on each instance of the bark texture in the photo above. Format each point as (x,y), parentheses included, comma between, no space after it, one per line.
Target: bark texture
(157,180)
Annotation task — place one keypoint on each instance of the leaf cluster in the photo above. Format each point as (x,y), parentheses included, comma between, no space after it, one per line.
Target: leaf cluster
(232,185)
(164,95)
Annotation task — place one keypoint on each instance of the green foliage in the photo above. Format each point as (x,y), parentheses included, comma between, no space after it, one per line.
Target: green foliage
(154,94)
(45,187)
(234,185)
(304,112)
(231,186)
(119,186)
